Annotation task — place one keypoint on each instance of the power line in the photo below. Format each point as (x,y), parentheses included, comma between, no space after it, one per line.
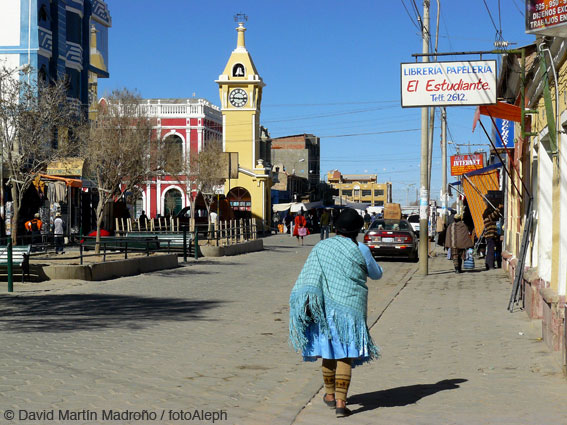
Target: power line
(499,18)
(498,32)
(409,15)
(327,115)
(517,7)
(271,105)
(418,15)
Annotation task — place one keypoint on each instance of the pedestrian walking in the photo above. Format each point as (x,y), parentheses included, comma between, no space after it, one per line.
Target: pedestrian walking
(489,216)
(324,223)
(58,234)
(300,228)
(367,220)
(459,240)
(373,218)
(328,308)
(287,222)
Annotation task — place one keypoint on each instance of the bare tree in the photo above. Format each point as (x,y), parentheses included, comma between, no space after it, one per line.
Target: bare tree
(211,172)
(116,144)
(36,128)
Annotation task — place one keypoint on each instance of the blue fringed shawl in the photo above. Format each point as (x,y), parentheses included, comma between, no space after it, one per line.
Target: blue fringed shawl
(332,287)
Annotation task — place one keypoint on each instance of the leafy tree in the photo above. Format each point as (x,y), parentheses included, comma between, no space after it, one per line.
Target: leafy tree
(116,144)
(36,128)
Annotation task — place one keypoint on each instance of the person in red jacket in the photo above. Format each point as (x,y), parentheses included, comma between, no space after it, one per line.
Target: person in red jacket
(300,229)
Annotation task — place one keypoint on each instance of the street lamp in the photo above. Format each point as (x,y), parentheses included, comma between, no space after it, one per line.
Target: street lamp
(457,148)
(408,187)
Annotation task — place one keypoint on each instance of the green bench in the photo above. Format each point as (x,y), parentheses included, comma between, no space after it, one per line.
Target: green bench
(172,240)
(20,258)
(120,243)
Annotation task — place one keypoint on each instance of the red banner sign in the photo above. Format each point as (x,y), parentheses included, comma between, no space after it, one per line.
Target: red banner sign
(546,17)
(461,164)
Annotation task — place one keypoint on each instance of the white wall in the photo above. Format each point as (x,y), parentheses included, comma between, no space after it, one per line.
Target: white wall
(10,23)
(544,215)
(562,278)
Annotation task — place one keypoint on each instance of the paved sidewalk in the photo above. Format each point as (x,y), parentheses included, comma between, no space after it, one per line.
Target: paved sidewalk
(211,335)
(453,354)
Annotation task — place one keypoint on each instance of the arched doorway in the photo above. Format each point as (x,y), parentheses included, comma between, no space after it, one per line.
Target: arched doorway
(240,202)
(172,154)
(172,202)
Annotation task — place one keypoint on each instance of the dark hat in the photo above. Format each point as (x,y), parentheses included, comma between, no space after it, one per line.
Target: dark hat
(349,221)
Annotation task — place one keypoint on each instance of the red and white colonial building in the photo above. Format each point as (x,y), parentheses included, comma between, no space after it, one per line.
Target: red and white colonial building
(189,124)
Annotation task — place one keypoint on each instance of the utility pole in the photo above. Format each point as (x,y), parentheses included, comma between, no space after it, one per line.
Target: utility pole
(444,162)
(424,192)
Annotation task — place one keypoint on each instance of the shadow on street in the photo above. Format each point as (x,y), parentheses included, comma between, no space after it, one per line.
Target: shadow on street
(77,312)
(401,396)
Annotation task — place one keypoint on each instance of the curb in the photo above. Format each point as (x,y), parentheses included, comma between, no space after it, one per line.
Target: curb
(111,269)
(239,248)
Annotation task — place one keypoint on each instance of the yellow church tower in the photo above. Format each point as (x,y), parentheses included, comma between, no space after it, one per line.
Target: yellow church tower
(240,89)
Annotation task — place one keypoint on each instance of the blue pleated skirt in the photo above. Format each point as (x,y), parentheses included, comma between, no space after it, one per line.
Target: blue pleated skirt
(320,346)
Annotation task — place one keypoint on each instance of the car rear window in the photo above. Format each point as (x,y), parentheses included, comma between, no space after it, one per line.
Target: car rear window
(413,218)
(390,225)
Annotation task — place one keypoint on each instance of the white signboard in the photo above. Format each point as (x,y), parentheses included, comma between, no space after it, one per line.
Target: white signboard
(448,83)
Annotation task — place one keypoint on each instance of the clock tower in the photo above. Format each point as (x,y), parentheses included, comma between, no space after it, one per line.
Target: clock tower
(240,89)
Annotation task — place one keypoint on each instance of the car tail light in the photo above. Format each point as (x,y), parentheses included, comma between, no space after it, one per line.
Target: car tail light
(402,238)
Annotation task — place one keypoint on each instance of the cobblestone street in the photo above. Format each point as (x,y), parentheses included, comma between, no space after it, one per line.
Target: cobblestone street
(212,335)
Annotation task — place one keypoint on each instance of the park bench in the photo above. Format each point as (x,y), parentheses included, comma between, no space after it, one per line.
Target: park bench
(20,258)
(172,241)
(114,243)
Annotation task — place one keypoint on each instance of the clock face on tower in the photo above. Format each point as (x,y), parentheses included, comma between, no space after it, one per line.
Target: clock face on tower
(238,98)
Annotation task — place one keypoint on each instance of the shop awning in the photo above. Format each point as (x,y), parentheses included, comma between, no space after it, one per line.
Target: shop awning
(281,207)
(476,185)
(68,181)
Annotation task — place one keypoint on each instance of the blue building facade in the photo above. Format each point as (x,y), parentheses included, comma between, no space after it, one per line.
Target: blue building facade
(58,39)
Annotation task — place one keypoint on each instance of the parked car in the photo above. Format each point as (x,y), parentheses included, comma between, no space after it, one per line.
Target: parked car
(414,221)
(392,238)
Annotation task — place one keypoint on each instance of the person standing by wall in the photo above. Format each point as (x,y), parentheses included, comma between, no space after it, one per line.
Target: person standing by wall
(34,227)
(328,308)
(489,216)
(143,221)
(58,234)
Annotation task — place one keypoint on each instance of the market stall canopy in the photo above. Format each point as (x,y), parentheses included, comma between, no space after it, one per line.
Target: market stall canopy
(357,205)
(310,205)
(476,186)
(281,207)
(68,181)
(296,206)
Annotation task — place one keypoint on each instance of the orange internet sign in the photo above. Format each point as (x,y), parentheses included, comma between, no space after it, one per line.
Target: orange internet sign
(462,164)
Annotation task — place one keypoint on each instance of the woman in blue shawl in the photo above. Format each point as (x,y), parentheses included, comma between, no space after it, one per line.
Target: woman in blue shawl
(328,307)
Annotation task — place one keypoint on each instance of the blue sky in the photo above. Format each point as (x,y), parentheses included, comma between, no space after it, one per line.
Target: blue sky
(332,68)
